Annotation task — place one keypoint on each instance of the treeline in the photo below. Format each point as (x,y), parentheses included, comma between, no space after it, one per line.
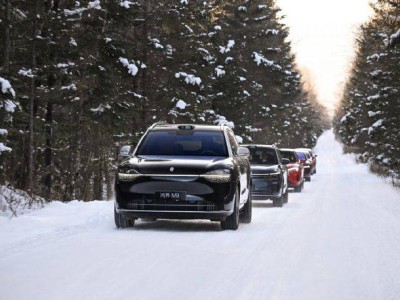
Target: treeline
(368,120)
(90,76)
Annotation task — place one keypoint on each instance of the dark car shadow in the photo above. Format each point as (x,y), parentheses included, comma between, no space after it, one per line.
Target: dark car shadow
(177,225)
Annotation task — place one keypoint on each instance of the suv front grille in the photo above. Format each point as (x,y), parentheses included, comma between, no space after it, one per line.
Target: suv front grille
(149,203)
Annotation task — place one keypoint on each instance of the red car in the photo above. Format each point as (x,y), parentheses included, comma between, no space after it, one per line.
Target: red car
(295,169)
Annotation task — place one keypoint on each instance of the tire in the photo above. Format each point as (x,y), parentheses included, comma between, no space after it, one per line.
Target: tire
(245,216)
(232,222)
(286,197)
(122,221)
(299,188)
(278,201)
(308,179)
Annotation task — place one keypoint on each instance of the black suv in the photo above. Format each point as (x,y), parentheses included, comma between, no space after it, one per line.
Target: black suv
(269,174)
(184,172)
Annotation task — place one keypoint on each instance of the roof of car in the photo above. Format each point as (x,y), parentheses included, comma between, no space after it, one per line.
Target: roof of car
(303,149)
(166,126)
(287,149)
(258,146)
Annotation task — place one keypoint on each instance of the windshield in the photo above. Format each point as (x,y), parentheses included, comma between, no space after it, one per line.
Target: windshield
(301,155)
(263,156)
(184,143)
(290,155)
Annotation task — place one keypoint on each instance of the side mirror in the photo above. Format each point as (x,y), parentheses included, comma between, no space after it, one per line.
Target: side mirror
(285,161)
(243,151)
(124,152)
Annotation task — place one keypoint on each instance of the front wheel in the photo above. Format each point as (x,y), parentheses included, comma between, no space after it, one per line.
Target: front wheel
(122,221)
(245,216)
(286,197)
(232,222)
(299,188)
(278,201)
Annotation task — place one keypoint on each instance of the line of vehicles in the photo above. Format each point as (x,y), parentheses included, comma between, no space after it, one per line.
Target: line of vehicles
(186,171)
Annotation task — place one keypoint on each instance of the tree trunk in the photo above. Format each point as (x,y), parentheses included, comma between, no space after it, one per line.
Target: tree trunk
(7,45)
(31,101)
(48,151)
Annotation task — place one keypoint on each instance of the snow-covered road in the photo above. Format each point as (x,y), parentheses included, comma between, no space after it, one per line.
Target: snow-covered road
(338,239)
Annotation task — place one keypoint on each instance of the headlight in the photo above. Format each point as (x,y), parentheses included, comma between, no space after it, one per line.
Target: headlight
(218,176)
(128,174)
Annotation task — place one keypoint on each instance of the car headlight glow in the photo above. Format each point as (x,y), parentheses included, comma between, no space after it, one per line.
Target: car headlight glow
(128,174)
(218,176)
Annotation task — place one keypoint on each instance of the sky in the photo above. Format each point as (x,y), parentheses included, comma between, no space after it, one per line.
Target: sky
(323,38)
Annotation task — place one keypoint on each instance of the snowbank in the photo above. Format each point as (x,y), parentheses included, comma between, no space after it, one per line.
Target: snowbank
(14,202)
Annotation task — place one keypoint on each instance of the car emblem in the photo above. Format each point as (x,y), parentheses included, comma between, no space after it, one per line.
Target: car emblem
(171,169)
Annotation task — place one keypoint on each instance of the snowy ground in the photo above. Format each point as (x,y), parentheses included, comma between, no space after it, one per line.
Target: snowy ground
(339,239)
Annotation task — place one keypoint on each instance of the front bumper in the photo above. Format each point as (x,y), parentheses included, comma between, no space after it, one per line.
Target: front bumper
(203,199)
(295,179)
(220,215)
(266,186)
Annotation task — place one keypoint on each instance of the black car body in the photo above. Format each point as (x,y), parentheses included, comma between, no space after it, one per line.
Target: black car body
(185,172)
(269,174)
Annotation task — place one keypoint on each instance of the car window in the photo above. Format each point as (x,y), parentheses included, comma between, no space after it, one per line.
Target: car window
(193,143)
(290,155)
(301,155)
(263,156)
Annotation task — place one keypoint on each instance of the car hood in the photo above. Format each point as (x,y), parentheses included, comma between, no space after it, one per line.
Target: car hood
(152,164)
(264,169)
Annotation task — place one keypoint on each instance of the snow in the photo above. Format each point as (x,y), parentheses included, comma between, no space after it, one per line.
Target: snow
(272,31)
(14,202)
(219,71)
(101,108)
(239,139)
(189,78)
(374,113)
(6,87)
(4,148)
(378,123)
(181,104)
(338,239)
(26,73)
(72,42)
(132,69)
(373,97)
(69,87)
(221,120)
(156,43)
(3,131)
(65,65)
(91,5)
(260,59)
(227,48)
(126,4)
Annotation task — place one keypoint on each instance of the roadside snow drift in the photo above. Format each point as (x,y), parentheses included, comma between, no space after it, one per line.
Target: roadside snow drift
(338,239)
